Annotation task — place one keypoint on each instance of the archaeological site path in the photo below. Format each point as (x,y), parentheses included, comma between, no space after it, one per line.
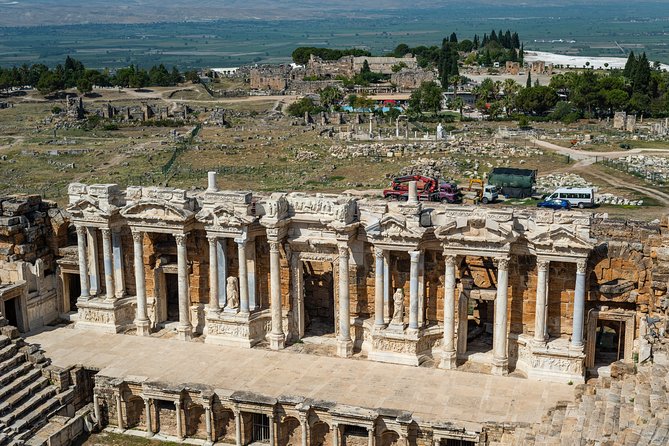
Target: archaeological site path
(431,394)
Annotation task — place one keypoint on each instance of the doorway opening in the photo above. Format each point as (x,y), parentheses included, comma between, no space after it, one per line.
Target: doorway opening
(172,296)
(12,312)
(260,431)
(74,289)
(610,342)
(319,305)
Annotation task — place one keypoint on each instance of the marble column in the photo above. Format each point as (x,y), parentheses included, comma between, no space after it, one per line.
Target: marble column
(243,277)
(147,410)
(305,431)
(542,301)
(344,343)
(108,255)
(463,323)
(117,253)
(500,365)
(97,410)
(213,273)
(179,417)
(272,434)
(370,436)
(378,289)
(184,329)
(335,434)
(421,290)
(413,290)
(94,272)
(141,319)
(448,358)
(251,264)
(83,263)
(238,427)
(276,337)
(207,423)
(222,257)
(579,305)
(119,410)
(387,314)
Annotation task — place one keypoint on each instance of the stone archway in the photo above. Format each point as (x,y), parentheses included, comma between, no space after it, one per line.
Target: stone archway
(290,432)
(390,438)
(320,434)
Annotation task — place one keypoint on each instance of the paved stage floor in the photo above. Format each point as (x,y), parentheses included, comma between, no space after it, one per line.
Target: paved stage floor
(431,394)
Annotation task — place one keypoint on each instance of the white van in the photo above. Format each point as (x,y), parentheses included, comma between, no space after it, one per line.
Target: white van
(576,196)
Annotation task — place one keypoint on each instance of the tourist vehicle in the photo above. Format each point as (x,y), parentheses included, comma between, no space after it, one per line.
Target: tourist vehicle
(556,204)
(429,189)
(581,197)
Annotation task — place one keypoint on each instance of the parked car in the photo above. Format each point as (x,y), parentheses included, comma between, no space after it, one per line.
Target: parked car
(555,203)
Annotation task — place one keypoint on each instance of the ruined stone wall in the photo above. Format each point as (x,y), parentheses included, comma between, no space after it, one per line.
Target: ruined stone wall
(408,79)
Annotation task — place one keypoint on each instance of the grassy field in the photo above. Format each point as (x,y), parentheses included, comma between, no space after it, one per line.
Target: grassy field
(595,30)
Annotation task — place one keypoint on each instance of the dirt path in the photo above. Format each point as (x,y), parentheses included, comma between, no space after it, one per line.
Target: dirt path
(613,181)
(590,157)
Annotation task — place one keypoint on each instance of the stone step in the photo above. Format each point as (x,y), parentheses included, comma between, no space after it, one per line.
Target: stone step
(28,405)
(38,417)
(19,382)
(4,340)
(8,351)
(18,369)
(17,397)
(10,362)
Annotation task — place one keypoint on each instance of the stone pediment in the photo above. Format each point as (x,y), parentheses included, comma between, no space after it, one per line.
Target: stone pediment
(90,209)
(225,216)
(476,229)
(560,239)
(394,226)
(154,210)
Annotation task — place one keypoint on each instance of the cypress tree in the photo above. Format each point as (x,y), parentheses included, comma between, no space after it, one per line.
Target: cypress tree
(528,84)
(641,80)
(515,41)
(476,41)
(630,66)
(485,40)
(493,36)
(454,38)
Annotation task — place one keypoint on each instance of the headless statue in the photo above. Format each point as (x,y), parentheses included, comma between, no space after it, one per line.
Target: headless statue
(231,293)
(398,302)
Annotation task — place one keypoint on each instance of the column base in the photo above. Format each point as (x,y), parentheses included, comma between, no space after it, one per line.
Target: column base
(143,327)
(344,348)
(277,341)
(500,367)
(576,348)
(448,360)
(185,332)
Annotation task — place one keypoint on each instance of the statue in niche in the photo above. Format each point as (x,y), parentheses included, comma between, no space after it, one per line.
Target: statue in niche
(398,302)
(231,293)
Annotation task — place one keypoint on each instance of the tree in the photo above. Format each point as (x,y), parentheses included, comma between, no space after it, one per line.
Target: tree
(528,84)
(427,97)
(330,96)
(302,106)
(630,66)
(84,86)
(398,67)
(453,38)
(536,100)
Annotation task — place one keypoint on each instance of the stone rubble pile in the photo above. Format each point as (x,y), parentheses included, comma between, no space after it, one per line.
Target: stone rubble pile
(305,155)
(496,150)
(441,168)
(655,168)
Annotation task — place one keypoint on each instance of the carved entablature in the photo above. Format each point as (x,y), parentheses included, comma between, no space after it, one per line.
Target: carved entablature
(97,203)
(272,209)
(559,241)
(161,207)
(395,229)
(477,232)
(326,208)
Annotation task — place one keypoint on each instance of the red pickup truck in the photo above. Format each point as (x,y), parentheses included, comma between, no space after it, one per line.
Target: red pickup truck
(429,189)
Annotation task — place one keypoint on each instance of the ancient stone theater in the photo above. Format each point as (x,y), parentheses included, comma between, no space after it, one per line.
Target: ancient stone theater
(545,295)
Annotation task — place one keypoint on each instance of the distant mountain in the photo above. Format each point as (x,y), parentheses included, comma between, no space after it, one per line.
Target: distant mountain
(65,12)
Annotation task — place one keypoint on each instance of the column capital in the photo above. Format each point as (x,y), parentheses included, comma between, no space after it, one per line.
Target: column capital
(81,230)
(177,404)
(273,245)
(212,239)
(543,264)
(502,263)
(449,259)
(137,236)
(181,239)
(415,256)
(106,232)
(378,252)
(343,250)
(581,266)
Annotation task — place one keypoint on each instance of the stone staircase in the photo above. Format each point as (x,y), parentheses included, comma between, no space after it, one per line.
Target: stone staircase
(28,399)
(627,409)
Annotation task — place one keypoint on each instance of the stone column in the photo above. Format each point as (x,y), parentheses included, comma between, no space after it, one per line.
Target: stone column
(141,318)
(272,434)
(463,323)
(305,430)
(344,343)
(238,427)
(335,434)
(370,436)
(213,273)
(542,301)
(180,429)
(251,274)
(378,289)
(421,290)
(207,423)
(579,305)
(94,272)
(147,409)
(107,255)
(243,277)
(387,316)
(222,257)
(448,358)
(97,410)
(119,410)
(117,253)
(276,337)
(83,263)
(500,365)
(413,290)
(184,329)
